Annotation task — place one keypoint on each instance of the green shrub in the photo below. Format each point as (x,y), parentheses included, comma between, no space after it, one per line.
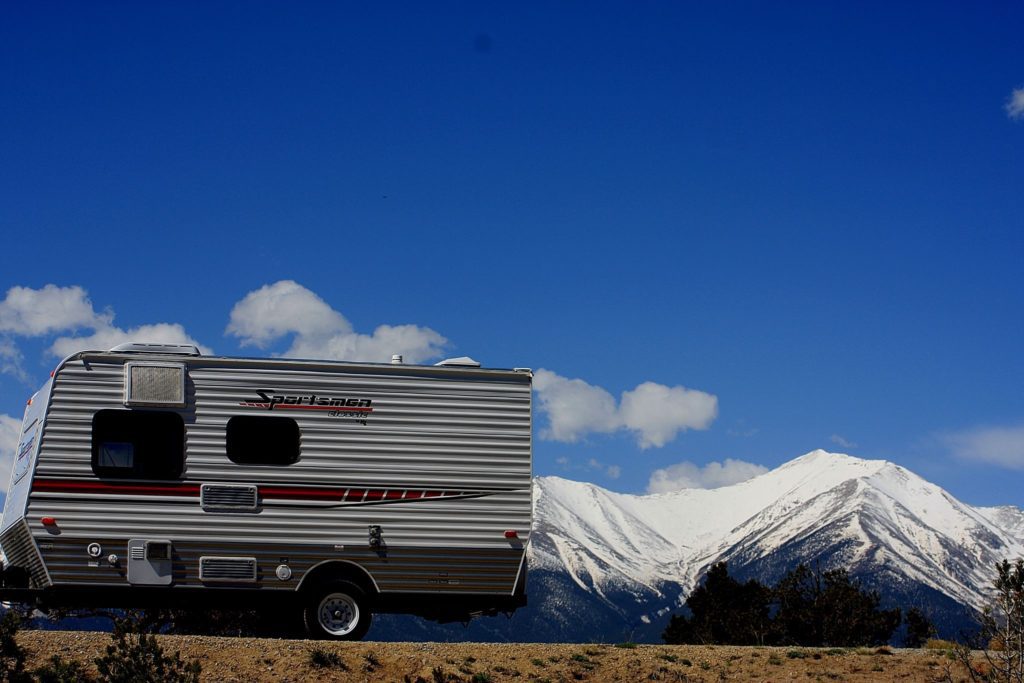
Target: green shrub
(12,657)
(59,670)
(319,658)
(937,644)
(371,662)
(135,657)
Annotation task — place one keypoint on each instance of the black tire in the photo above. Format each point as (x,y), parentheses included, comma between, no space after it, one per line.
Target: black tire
(337,610)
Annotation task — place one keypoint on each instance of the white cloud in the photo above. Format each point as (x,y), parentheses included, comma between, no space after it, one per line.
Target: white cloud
(687,475)
(10,429)
(274,311)
(654,413)
(1015,105)
(611,471)
(840,441)
(1001,446)
(11,359)
(35,312)
(109,336)
(27,312)
(415,344)
(574,408)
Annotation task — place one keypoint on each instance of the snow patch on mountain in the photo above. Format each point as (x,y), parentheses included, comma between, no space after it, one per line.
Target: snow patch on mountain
(880,514)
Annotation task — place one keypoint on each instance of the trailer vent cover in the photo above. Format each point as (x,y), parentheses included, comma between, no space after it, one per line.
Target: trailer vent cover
(228,496)
(234,569)
(148,384)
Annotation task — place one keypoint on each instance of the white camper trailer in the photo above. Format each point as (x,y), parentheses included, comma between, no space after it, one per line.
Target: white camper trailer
(149,475)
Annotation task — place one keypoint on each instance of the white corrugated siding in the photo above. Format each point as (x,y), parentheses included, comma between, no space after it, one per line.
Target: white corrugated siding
(430,429)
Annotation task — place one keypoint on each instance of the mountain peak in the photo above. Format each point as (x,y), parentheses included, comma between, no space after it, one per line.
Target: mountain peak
(636,553)
(820,455)
(842,465)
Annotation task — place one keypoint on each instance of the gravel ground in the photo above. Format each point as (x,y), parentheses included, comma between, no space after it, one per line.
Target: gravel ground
(267,659)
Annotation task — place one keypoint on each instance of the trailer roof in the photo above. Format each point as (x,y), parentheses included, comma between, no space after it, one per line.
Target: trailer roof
(191,355)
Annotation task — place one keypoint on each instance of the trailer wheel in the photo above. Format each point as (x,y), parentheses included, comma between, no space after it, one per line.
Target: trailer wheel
(337,610)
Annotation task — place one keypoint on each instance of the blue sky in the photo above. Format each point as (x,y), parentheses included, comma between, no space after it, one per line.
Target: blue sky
(748,230)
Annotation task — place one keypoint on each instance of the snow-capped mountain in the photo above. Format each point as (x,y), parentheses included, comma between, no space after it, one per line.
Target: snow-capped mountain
(609,566)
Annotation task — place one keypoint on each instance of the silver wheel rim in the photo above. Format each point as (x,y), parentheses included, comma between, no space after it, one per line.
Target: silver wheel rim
(338,614)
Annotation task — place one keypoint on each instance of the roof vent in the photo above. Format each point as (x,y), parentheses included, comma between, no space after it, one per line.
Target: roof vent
(460,362)
(174,349)
(396,359)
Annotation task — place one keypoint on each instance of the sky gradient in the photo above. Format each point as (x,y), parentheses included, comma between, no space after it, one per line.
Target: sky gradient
(812,214)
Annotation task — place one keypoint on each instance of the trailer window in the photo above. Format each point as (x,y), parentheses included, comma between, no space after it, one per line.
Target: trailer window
(256,440)
(138,444)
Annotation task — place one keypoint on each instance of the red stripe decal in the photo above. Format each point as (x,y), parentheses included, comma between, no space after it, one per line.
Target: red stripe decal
(337,494)
(50,486)
(281,492)
(291,406)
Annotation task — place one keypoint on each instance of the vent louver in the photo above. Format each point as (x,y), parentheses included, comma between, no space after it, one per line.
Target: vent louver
(148,384)
(228,496)
(233,569)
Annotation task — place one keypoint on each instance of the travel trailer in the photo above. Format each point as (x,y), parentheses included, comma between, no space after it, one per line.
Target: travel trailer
(150,475)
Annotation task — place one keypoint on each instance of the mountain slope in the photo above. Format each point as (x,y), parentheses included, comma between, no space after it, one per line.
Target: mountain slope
(611,566)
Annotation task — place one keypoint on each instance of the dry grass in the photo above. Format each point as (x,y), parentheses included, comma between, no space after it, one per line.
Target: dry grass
(260,659)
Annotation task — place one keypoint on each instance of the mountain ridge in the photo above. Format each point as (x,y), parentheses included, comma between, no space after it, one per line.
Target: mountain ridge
(887,511)
(606,565)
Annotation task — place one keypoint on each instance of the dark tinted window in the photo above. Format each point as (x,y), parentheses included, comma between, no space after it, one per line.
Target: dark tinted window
(138,444)
(263,440)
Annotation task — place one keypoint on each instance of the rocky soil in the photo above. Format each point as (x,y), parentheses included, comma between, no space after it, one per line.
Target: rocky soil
(266,659)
